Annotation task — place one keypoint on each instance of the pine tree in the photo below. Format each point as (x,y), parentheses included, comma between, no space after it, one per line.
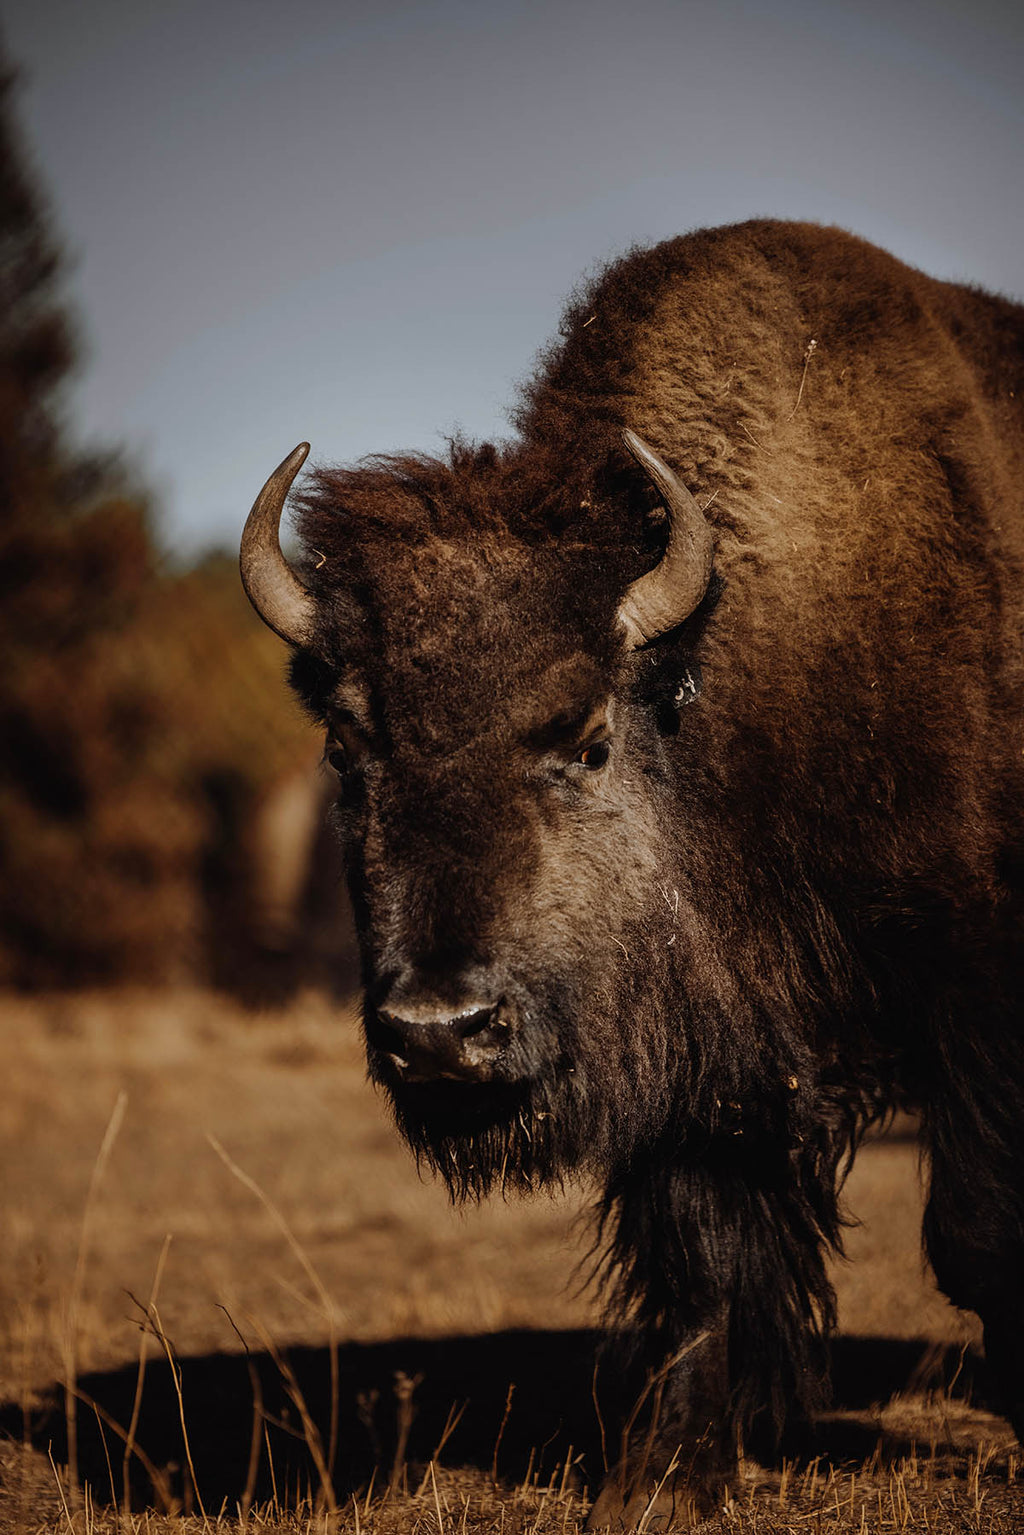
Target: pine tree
(142,716)
(75,560)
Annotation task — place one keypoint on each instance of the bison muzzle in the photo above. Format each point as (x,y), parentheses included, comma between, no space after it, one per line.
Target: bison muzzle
(680,754)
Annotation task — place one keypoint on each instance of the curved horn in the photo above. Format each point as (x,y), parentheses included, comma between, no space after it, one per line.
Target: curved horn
(271,585)
(662,598)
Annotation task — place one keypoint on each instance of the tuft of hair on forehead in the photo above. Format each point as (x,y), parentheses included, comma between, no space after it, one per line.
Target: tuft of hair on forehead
(485,491)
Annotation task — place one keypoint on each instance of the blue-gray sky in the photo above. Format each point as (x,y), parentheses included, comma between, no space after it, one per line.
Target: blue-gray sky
(356,222)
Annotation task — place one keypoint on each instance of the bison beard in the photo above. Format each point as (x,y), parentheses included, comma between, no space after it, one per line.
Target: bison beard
(679,876)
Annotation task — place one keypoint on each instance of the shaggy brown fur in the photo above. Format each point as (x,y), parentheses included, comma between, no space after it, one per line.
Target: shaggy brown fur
(774,912)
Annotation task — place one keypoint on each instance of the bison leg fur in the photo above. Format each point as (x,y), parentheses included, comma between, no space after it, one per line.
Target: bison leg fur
(742,1339)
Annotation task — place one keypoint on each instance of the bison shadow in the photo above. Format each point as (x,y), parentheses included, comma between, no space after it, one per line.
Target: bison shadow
(517,1402)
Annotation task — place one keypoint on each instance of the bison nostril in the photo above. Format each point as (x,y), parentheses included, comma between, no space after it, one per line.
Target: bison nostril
(386,1036)
(469,1025)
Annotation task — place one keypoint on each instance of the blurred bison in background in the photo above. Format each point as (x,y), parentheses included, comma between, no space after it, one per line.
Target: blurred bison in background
(681,766)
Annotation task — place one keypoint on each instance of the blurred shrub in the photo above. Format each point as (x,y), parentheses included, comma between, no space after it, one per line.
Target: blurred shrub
(143,721)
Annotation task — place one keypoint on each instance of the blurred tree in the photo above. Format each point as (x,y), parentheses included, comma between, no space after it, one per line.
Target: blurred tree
(142,718)
(73,559)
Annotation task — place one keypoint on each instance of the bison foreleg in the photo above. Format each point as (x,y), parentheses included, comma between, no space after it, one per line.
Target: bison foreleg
(676,1452)
(974,1222)
(721,1263)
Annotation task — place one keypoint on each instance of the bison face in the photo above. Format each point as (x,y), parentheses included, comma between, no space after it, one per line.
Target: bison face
(504,805)
(499,810)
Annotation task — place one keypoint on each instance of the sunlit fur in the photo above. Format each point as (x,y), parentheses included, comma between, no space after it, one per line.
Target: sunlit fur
(779,910)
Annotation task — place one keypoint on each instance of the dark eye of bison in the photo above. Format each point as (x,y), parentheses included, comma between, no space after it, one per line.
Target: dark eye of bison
(595,755)
(338,759)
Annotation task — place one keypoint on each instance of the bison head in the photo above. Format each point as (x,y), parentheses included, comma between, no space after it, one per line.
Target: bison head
(481,655)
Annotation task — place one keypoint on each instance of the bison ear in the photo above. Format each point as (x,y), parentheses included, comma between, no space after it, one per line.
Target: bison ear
(662,598)
(271,585)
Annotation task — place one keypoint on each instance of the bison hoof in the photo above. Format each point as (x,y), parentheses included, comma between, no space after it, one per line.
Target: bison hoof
(658,1509)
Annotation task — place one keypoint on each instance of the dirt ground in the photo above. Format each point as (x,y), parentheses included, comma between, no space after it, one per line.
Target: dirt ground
(311,1224)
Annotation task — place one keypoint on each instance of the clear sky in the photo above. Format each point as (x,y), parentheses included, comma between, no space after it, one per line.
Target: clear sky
(356,222)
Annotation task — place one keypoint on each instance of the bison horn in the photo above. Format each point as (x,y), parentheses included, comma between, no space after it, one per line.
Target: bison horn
(271,585)
(662,598)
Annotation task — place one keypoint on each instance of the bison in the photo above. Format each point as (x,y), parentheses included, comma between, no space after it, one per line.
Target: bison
(681,770)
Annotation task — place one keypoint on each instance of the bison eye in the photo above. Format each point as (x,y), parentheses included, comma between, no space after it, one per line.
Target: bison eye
(595,755)
(344,748)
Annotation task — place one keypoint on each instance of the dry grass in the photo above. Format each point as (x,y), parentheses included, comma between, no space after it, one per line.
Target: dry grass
(978,1493)
(285,1095)
(241,1313)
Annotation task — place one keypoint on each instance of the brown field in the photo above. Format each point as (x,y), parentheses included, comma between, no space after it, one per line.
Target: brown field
(365,1302)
